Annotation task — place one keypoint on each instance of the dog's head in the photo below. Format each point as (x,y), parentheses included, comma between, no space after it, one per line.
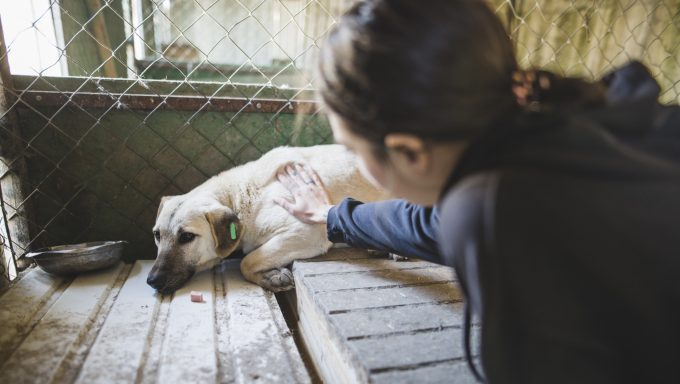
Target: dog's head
(191,234)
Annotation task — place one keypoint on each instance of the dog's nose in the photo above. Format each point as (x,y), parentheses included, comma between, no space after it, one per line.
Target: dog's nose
(155,280)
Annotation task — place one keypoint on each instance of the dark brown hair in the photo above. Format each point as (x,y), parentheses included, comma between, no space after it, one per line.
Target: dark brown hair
(438,69)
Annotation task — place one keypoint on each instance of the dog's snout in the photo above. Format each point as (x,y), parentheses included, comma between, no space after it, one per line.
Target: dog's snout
(155,280)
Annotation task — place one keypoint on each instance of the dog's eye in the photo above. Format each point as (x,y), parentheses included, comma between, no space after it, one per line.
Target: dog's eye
(157,235)
(186,237)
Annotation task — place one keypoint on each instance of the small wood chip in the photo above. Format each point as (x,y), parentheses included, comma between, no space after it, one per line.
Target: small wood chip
(196,297)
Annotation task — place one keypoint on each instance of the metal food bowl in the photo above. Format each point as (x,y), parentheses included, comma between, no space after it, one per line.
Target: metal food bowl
(76,258)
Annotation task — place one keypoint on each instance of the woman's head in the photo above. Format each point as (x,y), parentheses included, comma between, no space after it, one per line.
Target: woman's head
(407,84)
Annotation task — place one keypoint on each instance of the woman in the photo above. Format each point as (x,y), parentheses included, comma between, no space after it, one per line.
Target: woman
(557,200)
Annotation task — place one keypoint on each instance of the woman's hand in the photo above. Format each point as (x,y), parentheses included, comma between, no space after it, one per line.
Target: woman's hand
(311,202)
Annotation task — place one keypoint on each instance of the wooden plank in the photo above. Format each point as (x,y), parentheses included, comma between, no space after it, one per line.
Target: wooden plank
(188,353)
(296,363)
(118,350)
(343,301)
(309,268)
(380,278)
(74,357)
(379,321)
(381,353)
(225,356)
(333,361)
(450,372)
(22,306)
(61,329)
(151,359)
(262,349)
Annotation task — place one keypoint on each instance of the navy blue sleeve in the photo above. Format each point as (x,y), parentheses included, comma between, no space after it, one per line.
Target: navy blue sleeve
(394,226)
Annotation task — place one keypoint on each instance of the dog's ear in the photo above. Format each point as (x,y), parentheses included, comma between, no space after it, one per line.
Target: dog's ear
(164,199)
(224,226)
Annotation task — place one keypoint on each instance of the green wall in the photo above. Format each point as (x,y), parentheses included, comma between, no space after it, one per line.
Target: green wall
(98,174)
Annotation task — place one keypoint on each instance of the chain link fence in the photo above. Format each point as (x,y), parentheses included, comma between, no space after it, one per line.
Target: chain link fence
(110,104)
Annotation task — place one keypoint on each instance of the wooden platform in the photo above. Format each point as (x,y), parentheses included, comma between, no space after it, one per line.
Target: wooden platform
(110,327)
(362,319)
(366,319)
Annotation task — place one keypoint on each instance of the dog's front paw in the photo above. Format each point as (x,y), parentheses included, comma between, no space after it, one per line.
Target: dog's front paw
(277,280)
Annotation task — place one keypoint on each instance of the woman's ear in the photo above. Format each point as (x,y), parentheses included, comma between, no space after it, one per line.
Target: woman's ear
(408,152)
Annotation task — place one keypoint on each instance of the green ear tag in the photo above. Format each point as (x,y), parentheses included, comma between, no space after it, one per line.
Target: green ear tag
(232,231)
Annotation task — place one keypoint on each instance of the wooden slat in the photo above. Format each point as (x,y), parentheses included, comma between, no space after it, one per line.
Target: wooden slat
(309,268)
(188,353)
(262,350)
(381,353)
(60,330)
(333,361)
(151,360)
(450,372)
(77,351)
(126,332)
(21,306)
(380,278)
(379,321)
(374,298)
(225,355)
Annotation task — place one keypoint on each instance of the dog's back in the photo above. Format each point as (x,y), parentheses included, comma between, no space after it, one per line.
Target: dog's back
(337,167)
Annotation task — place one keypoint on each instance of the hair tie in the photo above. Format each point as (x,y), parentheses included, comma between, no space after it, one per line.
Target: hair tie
(527,87)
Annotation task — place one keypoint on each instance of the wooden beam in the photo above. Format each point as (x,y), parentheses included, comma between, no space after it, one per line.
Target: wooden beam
(39,99)
(80,47)
(97,25)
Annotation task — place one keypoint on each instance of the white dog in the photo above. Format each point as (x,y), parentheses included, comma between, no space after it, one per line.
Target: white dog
(236,210)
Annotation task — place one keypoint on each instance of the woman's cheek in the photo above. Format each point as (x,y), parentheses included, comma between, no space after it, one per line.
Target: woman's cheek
(372,173)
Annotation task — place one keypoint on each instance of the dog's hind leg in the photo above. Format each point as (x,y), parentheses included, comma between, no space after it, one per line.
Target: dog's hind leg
(266,265)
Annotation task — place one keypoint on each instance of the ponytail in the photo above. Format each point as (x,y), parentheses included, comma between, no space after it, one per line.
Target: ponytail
(543,91)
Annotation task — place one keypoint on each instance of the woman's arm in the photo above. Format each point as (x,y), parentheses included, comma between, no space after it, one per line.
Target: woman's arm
(394,225)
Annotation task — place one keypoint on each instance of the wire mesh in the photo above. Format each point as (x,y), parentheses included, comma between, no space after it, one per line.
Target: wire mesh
(112,104)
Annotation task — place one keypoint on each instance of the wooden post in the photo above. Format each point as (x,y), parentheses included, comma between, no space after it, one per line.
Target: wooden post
(13,186)
(98,27)
(80,49)
(86,52)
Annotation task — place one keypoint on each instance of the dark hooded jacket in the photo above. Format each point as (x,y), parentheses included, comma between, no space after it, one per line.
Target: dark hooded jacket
(564,231)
